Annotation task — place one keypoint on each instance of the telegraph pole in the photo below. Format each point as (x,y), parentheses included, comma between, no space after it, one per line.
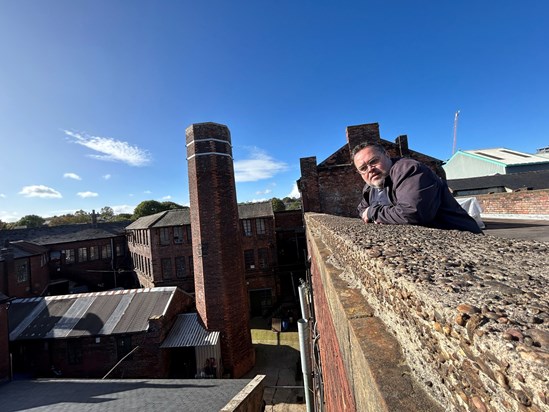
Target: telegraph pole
(456,116)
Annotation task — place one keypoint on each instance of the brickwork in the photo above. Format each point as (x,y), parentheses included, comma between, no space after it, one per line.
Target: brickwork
(465,316)
(338,389)
(530,202)
(221,295)
(4,343)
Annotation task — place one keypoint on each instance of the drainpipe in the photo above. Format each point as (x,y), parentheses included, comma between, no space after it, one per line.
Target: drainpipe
(304,301)
(305,354)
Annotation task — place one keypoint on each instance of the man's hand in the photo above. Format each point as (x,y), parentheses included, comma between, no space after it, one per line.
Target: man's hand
(365,215)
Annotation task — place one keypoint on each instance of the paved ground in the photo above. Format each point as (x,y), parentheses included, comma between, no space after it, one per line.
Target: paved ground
(518,229)
(277,357)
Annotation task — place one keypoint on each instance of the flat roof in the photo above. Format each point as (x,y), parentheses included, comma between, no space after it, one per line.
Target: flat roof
(94,395)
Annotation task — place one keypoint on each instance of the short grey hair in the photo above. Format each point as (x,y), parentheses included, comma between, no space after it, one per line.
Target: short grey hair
(361,146)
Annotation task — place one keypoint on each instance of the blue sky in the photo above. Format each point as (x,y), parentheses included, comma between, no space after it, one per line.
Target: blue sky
(95,96)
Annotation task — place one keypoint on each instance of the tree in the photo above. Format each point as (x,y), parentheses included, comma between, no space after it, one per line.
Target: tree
(31,221)
(278,205)
(106,213)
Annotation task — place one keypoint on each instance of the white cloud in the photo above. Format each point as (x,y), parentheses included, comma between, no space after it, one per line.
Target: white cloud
(295,192)
(72,176)
(107,176)
(9,217)
(259,166)
(123,209)
(111,149)
(2,195)
(263,192)
(168,197)
(85,195)
(147,192)
(40,191)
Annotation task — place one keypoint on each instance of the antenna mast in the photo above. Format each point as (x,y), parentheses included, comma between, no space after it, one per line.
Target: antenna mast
(455,131)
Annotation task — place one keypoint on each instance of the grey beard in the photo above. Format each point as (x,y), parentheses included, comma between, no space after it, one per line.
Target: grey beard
(379,185)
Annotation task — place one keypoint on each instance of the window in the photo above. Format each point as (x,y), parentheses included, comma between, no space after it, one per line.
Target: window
(263,257)
(260,226)
(119,249)
(247,227)
(189,233)
(178,234)
(94,252)
(106,252)
(123,347)
(74,351)
(164,236)
(180,267)
(69,256)
(249,260)
(82,254)
(22,270)
(166,264)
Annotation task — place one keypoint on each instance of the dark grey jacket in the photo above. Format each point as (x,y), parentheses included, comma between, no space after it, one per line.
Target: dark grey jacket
(418,197)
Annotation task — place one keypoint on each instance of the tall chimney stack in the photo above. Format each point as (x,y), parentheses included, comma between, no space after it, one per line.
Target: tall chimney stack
(220,285)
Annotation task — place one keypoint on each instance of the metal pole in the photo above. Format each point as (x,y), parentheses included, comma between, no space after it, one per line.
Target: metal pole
(304,301)
(305,354)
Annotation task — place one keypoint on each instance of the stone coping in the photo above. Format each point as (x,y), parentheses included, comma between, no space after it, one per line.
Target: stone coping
(470,312)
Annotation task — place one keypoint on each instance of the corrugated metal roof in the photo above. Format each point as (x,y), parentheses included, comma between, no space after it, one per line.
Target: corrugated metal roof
(187,331)
(252,210)
(507,156)
(87,314)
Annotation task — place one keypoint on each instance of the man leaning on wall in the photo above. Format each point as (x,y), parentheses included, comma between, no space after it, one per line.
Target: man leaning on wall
(401,191)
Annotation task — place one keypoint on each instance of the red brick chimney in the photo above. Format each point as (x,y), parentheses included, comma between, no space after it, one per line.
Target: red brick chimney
(220,285)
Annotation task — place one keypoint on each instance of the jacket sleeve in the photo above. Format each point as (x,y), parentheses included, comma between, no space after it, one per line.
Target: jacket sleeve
(416,196)
(364,202)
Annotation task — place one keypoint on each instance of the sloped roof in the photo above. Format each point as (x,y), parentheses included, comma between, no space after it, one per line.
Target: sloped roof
(505,156)
(22,248)
(535,180)
(251,210)
(187,331)
(87,314)
(47,235)
(175,217)
(178,217)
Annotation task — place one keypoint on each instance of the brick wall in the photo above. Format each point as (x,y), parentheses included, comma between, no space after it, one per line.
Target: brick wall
(4,349)
(530,202)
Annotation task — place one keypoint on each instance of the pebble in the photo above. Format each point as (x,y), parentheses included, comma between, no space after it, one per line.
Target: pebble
(468,309)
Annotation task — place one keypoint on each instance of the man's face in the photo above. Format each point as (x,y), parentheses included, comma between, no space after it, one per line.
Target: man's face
(373,166)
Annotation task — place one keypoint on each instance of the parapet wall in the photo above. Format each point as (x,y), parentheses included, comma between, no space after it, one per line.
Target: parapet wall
(421,319)
(527,202)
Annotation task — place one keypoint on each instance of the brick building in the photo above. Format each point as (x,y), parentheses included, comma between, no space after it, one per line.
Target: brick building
(85,335)
(334,187)
(24,270)
(160,248)
(4,342)
(60,259)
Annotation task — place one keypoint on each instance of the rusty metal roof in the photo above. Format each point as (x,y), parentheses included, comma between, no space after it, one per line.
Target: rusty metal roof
(187,331)
(87,314)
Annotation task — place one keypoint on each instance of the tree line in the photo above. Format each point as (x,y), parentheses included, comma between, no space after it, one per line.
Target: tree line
(106,214)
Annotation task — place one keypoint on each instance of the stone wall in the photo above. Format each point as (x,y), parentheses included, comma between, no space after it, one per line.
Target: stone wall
(466,317)
(530,202)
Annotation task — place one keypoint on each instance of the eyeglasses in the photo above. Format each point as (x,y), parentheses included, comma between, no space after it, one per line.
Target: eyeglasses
(373,162)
